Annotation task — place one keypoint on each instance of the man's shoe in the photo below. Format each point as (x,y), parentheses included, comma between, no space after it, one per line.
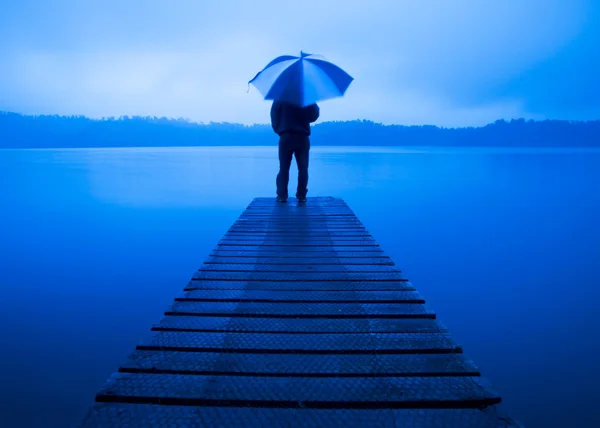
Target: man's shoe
(301,199)
(281,198)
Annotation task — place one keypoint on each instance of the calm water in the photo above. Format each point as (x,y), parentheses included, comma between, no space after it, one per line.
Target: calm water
(505,245)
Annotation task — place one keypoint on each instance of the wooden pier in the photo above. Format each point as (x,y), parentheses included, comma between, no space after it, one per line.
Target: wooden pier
(298,319)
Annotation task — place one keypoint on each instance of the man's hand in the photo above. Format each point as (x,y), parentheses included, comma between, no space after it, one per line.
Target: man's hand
(312,113)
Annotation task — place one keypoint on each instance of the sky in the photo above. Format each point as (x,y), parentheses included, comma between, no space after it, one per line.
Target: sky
(440,62)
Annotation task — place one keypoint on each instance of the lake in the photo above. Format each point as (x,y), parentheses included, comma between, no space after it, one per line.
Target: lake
(503,244)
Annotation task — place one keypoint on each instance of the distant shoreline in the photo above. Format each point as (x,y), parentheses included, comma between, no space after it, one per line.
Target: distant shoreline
(60,132)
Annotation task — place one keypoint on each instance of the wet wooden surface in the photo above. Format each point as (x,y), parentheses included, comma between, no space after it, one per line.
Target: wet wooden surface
(298,318)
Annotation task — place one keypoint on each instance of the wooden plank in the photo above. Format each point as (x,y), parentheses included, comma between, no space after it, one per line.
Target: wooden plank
(389,392)
(303,296)
(324,216)
(205,284)
(313,200)
(298,243)
(333,215)
(295,233)
(299,325)
(295,229)
(307,219)
(298,216)
(301,224)
(333,220)
(301,310)
(272,255)
(296,268)
(297,208)
(314,261)
(292,208)
(309,343)
(280,241)
(288,213)
(154,415)
(292,232)
(293,203)
(298,248)
(289,204)
(299,276)
(298,229)
(302,219)
(299,211)
(281,364)
(300,239)
(290,201)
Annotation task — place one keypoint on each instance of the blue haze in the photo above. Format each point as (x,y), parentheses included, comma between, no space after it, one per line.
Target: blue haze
(439,62)
(503,244)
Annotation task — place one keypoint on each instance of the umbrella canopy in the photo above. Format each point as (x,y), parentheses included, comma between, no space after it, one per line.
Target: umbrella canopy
(302,80)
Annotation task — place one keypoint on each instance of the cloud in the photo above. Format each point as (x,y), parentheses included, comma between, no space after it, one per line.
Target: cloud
(432,61)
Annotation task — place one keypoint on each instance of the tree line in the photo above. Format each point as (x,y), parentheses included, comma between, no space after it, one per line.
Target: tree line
(53,131)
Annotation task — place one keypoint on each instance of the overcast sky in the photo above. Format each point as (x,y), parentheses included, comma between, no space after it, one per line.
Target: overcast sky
(442,62)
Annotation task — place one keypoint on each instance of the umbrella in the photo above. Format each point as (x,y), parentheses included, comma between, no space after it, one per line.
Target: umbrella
(302,80)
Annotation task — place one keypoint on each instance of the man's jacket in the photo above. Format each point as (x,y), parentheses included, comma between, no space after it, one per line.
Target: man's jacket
(293,119)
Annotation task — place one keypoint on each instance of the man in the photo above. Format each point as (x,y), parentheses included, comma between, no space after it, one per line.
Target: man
(292,124)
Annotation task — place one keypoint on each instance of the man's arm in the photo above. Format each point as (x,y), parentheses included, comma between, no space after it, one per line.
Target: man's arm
(312,113)
(275,115)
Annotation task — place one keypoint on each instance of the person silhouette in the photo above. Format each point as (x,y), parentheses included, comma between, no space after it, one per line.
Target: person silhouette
(292,124)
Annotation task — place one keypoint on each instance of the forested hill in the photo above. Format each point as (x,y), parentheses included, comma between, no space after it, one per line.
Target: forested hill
(21,131)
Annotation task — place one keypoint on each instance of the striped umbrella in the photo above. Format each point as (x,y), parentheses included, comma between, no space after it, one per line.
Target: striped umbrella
(302,80)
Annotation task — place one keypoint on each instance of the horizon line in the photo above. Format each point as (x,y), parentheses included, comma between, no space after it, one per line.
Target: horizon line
(200,123)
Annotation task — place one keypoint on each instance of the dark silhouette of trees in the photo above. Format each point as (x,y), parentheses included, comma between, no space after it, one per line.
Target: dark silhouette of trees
(52,131)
